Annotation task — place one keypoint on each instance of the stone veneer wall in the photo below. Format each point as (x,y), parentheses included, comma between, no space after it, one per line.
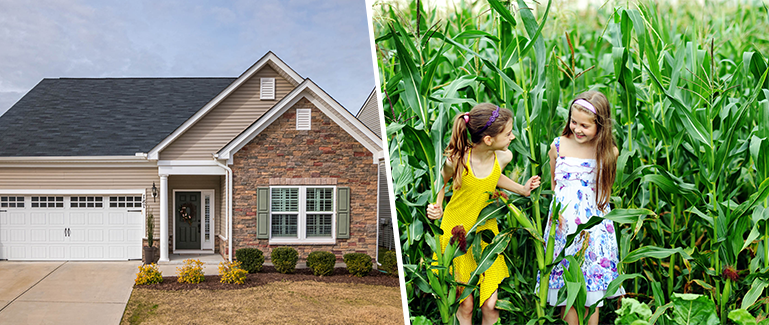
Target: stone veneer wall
(326,154)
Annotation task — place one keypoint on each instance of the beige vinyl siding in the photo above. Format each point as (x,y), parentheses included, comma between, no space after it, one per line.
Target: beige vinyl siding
(100,178)
(195,182)
(369,115)
(228,119)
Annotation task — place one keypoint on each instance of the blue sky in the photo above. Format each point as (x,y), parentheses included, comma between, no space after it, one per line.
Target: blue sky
(326,41)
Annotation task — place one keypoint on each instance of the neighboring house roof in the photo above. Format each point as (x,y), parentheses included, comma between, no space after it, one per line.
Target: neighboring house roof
(102,116)
(369,114)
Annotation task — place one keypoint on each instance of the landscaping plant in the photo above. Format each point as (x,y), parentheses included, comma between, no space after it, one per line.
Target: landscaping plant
(251,259)
(321,263)
(690,96)
(148,274)
(232,272)
(284,259)
(190,272)
(358,264)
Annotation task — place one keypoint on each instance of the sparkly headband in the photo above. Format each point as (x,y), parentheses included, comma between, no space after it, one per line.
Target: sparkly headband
(492,118)
(585,104)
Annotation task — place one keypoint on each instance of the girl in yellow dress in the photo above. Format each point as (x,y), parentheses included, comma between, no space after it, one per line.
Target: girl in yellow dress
(476,165)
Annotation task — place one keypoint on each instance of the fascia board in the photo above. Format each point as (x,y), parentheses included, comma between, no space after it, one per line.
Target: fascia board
(154,154)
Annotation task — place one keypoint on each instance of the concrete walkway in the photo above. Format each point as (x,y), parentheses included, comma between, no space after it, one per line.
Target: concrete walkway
(65,292)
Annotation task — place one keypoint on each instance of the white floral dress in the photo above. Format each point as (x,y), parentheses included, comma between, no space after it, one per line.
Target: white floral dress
(575,183)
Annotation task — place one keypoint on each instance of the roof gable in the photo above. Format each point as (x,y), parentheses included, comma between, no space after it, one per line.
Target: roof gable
(101,116)
(307,89)
(268,59)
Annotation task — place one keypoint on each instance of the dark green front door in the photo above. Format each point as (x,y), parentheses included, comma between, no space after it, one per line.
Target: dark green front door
(187,214)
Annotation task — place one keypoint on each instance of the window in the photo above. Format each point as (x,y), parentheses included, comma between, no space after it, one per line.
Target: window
(302,213)
(267,88)
(47,201)
(303,118)
(11,201)
(86,202)
(125,201)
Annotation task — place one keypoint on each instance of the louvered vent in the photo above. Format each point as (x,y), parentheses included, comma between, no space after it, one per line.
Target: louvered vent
(267,88)
(303,118)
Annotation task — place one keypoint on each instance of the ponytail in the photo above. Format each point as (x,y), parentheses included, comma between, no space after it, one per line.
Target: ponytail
(458,147)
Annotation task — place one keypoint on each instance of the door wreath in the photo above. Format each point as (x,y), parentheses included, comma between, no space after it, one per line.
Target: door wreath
(186,211)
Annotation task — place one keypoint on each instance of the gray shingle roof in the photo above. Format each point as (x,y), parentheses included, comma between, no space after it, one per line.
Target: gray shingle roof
(102,116)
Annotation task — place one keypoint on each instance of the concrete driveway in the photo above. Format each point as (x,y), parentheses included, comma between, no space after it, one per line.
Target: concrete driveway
(65,292)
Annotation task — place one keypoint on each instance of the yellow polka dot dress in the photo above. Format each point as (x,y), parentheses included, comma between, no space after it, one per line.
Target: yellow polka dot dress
(463,209)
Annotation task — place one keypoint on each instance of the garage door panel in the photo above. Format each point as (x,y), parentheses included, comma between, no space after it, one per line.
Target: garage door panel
(71,231)
(76,218)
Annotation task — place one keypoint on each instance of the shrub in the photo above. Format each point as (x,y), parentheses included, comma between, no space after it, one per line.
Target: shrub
(149,274)
(251,259)
(232,272)
(284,259)
(321,263)
(358,264)
(191,272)
(390,263)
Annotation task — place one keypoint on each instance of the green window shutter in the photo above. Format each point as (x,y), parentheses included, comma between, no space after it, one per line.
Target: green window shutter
(343,213)
(262,213)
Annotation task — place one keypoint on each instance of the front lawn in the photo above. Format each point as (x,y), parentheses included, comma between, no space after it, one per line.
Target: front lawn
(286,302)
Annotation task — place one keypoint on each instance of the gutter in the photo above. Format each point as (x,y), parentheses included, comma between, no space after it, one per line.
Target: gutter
(228,205)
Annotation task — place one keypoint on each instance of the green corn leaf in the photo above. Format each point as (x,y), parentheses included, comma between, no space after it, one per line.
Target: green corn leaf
(654,252)
(756,289)
(503,11)
(659,312)
(419,278)
(490,254)
(421,145)
(412,81)
(507,305)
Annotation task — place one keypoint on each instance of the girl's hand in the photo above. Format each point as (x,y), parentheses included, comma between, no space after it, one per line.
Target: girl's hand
(434,211)
(531,184)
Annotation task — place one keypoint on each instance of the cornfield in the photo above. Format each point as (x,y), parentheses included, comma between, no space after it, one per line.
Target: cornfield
(689,91)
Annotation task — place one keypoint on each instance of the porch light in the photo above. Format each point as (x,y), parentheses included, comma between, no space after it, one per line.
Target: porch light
(154,192)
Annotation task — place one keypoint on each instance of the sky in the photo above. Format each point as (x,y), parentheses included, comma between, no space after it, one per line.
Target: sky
(326,41)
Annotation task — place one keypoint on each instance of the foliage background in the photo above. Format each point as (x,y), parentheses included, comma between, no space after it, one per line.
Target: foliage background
(688,86)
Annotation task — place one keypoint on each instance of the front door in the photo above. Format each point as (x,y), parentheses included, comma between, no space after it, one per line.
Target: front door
(187,215)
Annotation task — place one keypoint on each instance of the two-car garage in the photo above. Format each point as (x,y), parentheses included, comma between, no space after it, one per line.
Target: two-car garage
(84,226)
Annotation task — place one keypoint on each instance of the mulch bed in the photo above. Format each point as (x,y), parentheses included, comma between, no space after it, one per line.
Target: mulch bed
(269,275)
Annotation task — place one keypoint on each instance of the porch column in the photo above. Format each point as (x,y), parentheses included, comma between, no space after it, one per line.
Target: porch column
(163,218)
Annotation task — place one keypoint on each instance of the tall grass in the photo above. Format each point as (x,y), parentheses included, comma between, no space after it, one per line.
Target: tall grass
(689,89)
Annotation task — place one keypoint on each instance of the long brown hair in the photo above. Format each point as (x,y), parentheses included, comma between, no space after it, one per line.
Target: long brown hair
(475,125)
(604,148)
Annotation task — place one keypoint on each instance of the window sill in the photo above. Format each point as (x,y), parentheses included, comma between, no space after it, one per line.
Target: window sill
(294,241)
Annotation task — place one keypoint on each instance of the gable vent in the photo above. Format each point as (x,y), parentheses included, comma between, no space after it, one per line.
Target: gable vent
(267,88)
(303,118)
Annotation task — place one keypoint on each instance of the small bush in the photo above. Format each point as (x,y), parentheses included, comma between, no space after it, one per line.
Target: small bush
(251,259)
(232,272)
(284,259)
(149,274)
(321,263)
(191,272)
(390,263)
(358,264)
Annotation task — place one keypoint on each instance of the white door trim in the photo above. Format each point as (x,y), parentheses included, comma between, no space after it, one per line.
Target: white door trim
(203,247)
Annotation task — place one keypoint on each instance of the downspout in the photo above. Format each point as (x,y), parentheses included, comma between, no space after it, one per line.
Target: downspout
(228,201)
(378,220)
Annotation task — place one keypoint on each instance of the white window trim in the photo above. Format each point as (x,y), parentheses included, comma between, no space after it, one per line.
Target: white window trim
(303,119)
(267,93)
(301,223)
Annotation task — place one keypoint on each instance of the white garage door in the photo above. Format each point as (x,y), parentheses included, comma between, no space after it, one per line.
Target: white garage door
(71,227)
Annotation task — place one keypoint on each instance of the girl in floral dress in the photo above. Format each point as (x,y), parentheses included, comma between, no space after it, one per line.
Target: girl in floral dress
(583,167)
